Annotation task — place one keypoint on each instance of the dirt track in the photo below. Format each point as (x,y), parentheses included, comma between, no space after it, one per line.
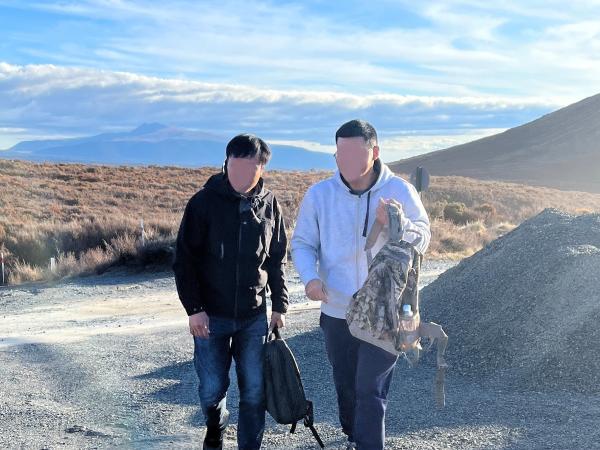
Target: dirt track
(105,362)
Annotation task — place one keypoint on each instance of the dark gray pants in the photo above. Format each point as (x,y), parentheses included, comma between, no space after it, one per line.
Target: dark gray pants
(362,374)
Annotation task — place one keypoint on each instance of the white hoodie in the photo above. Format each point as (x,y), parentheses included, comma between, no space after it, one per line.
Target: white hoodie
(329,238)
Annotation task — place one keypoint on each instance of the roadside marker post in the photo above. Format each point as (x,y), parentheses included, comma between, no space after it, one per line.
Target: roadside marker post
(143,236)
(420,179)
(2,263)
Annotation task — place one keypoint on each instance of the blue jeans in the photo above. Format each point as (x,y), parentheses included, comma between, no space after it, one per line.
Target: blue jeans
(362,374)
(242,340)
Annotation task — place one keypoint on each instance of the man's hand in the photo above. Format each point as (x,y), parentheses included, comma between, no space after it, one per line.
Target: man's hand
(199,325)
(315,290)
(382,214)
(277,320)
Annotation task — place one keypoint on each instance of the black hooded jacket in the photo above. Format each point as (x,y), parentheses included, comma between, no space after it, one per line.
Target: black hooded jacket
(229,249)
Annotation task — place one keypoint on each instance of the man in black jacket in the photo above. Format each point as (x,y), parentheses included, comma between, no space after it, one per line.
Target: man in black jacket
(231,248)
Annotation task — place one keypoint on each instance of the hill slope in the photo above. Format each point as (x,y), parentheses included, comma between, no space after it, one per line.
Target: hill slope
(560,150)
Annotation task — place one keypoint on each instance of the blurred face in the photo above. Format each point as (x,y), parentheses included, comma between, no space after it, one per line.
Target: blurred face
(355,158)
(244,173)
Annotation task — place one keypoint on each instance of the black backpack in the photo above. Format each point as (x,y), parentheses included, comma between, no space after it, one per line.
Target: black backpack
(284,392)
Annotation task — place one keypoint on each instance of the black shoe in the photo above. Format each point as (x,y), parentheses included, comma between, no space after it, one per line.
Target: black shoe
(206,446)
(214,435)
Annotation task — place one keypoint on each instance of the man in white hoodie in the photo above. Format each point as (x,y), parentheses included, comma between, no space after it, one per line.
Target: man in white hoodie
(335,217)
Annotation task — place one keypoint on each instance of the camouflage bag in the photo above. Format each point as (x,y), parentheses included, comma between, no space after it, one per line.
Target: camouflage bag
(377,311)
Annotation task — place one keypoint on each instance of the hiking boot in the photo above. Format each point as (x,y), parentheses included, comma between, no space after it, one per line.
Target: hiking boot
(218,446)
(214,435)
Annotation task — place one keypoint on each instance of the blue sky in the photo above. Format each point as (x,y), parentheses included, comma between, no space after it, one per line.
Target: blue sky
(427,74)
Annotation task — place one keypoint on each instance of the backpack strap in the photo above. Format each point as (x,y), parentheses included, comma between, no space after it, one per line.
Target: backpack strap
(371,239)
(309,422)
(394,227)
(440,387)
(396,233)
(316,435)
(274,334)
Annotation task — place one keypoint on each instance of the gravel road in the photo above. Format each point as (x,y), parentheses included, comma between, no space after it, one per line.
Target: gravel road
(105,362)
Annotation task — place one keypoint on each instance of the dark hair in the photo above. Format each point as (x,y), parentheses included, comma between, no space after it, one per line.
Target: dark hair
(248,146)
(356,128)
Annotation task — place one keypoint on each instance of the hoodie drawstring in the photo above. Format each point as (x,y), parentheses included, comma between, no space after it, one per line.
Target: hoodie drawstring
(364,233)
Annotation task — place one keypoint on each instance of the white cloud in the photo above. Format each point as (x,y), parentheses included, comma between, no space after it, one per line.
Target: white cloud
(309,145)
(47,99)
(293,73)
(287,46)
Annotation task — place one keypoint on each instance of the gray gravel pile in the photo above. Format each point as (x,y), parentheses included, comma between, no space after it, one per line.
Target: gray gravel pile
(526,308)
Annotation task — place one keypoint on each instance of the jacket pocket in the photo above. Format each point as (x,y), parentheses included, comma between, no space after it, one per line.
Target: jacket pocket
(216,248)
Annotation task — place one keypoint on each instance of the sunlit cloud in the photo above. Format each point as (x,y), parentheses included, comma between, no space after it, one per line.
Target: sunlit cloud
(77,101)
(426,74)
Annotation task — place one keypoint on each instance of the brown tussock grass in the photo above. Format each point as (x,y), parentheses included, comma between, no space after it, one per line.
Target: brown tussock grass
(88,217)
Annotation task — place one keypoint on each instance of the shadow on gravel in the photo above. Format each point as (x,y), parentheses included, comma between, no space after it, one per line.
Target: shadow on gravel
(117,277)
(411,406)
(309,350)
(66,379)
(185,389)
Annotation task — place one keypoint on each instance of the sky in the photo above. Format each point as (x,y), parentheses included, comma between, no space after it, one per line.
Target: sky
(427,75)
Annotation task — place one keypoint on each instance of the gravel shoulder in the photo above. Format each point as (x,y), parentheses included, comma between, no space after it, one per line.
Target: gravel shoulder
(105,362)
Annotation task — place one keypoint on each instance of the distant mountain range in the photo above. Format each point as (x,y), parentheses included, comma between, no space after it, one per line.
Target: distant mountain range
(157,144)
(560,150)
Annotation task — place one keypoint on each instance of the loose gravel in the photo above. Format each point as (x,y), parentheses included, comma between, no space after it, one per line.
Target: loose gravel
(526,308)
(105,362)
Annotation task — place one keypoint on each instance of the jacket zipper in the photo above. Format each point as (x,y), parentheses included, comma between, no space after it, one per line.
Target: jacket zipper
(237,271)
(357,241)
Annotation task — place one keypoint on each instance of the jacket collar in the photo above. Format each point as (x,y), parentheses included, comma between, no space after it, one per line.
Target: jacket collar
(221,185)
